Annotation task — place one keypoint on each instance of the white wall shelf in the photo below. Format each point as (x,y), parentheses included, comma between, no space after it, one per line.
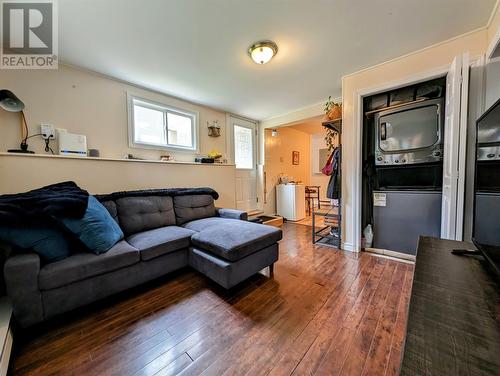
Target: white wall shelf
(3,154)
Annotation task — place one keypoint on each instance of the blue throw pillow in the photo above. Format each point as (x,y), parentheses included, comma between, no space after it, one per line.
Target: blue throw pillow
(50,244)
(97,230)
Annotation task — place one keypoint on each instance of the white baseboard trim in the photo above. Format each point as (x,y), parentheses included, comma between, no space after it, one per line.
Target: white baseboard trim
(349,247)
(392,254)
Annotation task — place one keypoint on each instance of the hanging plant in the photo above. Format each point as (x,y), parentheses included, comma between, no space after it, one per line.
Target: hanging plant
(333,110)
(330,139)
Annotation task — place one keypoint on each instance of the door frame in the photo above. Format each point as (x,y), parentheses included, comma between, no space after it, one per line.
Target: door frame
(477,83)
(462,146)
(455,144)
(230,138)
(356,179)
(257,152)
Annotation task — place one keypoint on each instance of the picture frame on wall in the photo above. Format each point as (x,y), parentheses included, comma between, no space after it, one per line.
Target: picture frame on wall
(295,157)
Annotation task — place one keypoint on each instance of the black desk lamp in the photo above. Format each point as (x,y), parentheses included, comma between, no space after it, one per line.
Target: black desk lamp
(9,102)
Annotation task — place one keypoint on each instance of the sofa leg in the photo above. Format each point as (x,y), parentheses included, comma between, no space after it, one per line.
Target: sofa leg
(271,269)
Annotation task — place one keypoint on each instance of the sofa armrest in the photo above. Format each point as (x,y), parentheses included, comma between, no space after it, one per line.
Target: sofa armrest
(5,250)
(21,280)
(232,214)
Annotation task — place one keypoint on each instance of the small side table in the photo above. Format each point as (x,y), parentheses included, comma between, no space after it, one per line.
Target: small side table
(329,234)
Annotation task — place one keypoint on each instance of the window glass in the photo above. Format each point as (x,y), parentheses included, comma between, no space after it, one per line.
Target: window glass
(243,147)
(162,126)
(149,126)
(180,129)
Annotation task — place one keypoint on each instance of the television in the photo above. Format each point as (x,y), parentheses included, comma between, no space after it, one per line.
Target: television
(486,228)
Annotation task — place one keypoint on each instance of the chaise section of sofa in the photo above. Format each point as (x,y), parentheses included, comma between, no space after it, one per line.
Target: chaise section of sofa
(229,251)
(165,230)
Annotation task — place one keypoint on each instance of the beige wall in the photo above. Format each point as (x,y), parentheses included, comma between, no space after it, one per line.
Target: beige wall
(278,161)
(94,105)
(22,173)
(407,67)
(493,66)
(91,104)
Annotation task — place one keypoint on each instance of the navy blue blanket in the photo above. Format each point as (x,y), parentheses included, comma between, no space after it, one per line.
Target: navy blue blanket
(62,199)
(172,192)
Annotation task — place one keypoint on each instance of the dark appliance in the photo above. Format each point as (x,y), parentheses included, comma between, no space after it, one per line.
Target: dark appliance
(403,217)
(486,233)
(425,177)
(410,134)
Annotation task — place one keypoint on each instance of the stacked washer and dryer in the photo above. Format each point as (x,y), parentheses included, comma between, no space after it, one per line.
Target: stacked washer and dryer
(403,165)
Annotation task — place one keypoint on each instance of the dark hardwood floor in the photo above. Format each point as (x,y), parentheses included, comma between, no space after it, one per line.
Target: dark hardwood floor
(324,312)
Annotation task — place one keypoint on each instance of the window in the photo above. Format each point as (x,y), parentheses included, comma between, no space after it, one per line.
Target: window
(243,147)
(156,126)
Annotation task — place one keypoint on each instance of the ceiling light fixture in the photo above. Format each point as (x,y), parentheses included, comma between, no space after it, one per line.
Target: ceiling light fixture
(262,52)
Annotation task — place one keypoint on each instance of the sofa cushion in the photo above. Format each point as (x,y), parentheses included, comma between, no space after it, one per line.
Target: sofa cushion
(160,241)
(205,223)
(86,265)
(49,243)
(96,230)
(189,208)
(111,208)
(136,214)
(233,239)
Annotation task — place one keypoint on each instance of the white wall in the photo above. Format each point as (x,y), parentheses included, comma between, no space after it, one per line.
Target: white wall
(317,178)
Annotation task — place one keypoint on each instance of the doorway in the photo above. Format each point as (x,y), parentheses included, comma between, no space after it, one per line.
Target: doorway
(295,153)
(243,141)
(451,205)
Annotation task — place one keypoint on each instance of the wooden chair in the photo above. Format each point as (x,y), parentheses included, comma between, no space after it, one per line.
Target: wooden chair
(312,193)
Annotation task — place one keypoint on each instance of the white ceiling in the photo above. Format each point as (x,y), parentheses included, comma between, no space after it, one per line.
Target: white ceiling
(197,49)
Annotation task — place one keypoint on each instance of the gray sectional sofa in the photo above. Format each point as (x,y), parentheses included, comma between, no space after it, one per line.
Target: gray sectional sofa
(163,233)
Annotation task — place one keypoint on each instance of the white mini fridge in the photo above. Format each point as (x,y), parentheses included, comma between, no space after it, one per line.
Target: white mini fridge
(290,201)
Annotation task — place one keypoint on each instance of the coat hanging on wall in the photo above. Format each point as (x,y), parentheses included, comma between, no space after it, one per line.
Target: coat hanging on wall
(333,190)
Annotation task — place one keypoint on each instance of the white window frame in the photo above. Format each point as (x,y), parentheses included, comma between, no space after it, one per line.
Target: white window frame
(148,103)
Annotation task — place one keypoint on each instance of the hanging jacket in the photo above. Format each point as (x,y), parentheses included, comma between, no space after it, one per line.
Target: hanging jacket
(333,191)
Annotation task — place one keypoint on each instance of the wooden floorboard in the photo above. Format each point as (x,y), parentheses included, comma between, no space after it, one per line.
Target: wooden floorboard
(323,312)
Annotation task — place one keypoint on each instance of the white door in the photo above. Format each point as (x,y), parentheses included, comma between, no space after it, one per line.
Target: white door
(243,135)
(455,146)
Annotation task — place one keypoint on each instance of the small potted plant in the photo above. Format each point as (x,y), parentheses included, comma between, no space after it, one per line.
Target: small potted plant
(216,155)
(333,110)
